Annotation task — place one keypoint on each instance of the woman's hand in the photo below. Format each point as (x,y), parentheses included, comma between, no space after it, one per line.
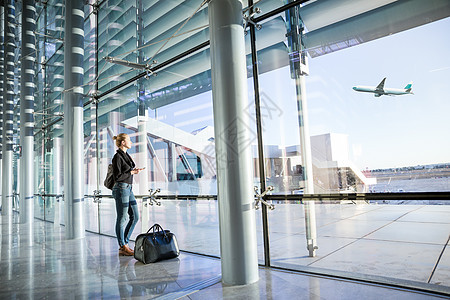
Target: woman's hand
(136,171)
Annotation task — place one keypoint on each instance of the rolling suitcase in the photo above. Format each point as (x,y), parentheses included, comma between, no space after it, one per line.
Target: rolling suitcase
(155,245)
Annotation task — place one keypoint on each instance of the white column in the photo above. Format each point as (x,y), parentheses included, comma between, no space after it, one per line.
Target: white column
(2,77)
(27,89)
(8,107)
(142,155)
(73,119)
(57,179)
(238,246)
(142,162)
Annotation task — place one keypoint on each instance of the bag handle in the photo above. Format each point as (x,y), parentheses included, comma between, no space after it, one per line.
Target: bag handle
(157,227)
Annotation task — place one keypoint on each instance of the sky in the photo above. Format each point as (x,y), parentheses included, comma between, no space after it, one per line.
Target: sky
(387,131)
(383,132)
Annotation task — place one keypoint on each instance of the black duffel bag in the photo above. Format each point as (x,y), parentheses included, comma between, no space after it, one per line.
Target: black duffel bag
(155,245)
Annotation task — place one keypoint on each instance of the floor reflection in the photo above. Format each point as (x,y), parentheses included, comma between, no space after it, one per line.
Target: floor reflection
(90,268)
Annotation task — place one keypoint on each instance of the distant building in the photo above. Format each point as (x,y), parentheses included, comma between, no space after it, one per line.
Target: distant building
(332,170)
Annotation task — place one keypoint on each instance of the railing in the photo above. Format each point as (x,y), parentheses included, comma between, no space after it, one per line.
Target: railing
(363,196)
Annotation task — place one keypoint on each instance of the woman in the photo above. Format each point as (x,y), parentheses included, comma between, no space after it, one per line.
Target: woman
(123,171)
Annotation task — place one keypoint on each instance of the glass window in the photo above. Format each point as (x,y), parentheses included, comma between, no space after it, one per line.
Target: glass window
(366,134)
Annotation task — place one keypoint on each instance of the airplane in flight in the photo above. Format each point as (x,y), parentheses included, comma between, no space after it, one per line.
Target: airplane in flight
(380,90)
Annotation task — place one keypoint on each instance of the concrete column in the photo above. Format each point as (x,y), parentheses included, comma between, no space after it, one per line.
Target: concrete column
(142,162)
(26,112)
(103,152)
(92,154)
(2,76)
(233,153)
(8,107)
(114,121)
(1,168)
(142,155)
(172,162)
(57,182)
(16,140)
(73,119)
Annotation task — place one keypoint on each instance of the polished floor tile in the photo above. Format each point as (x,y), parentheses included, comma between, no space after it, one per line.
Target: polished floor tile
(441,274)
(292,253)
(286,285)
(409,261)
(37,262)
(427,216)
(339,226)
(431,233)
(349,228)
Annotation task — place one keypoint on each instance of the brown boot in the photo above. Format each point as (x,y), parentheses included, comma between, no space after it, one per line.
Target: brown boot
(128,249)
(125,251)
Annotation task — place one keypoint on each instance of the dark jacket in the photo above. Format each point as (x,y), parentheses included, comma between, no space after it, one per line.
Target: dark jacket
(122,166)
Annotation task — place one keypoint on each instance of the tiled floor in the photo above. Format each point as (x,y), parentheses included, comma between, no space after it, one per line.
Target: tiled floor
(396,241)
(44,265)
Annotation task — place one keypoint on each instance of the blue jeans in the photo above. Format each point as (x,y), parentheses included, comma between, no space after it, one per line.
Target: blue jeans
(125,203)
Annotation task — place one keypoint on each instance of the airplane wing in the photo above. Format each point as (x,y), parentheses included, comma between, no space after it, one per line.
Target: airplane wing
(380,86)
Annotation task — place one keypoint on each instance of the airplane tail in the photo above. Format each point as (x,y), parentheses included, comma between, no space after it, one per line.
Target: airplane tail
(408,87)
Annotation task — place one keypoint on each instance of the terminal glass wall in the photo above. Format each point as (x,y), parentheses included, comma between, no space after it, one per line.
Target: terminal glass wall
(48,114)
(360,144)
(347,152)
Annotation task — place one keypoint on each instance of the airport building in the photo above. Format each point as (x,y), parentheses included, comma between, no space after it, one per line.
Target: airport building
(279,178)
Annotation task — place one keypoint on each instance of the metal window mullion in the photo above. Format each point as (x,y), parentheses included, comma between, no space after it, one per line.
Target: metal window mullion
(262,177)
